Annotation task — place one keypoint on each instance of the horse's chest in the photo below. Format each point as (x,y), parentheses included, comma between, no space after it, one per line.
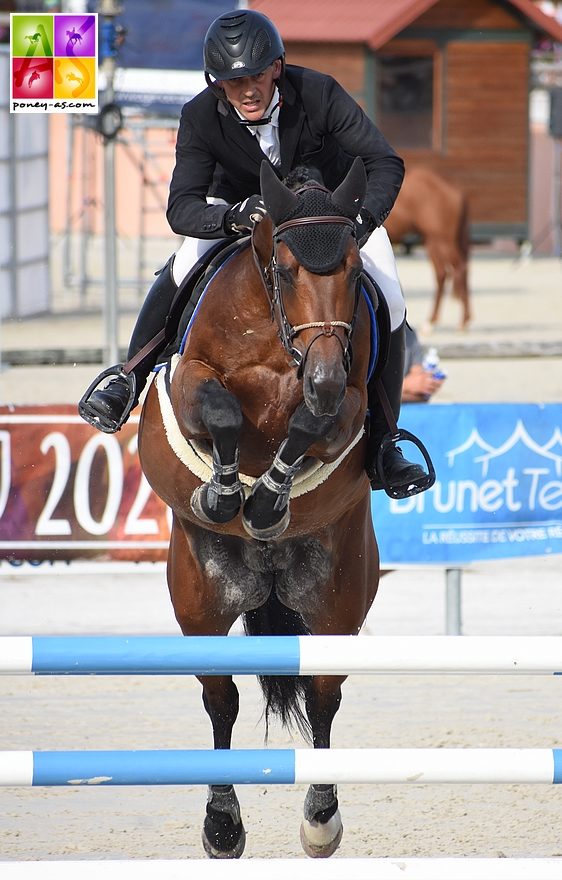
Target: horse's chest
(268,397)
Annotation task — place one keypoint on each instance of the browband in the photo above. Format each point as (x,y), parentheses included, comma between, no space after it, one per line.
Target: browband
(305,221)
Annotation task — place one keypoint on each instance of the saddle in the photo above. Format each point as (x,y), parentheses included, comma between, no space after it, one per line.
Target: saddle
(192,288)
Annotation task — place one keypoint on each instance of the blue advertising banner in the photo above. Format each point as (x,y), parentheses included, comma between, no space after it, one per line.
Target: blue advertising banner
(498,491)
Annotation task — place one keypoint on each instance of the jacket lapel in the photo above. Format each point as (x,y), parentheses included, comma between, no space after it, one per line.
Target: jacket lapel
(291,120)
(239,135)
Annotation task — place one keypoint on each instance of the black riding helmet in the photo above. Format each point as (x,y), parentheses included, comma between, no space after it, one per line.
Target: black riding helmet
(240,43)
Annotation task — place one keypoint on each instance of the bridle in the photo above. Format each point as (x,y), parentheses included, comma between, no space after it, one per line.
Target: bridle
(271,279)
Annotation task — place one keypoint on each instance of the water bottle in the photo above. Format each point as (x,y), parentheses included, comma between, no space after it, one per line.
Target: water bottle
(432,364)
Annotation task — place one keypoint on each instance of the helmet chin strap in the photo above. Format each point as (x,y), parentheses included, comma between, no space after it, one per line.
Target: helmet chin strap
(265,120)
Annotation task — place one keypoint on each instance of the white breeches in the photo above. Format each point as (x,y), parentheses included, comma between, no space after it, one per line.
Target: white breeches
(377,255)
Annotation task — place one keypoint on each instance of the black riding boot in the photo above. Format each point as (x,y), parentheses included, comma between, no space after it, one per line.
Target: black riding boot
(398,472)
(108,408)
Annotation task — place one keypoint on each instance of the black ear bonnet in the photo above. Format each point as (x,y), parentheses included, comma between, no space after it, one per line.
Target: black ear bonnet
(320,247)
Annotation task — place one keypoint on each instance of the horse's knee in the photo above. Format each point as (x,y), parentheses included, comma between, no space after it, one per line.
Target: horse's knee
(220,410)
(306,428)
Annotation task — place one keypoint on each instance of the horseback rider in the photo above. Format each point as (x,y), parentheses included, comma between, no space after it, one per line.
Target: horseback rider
(256,107)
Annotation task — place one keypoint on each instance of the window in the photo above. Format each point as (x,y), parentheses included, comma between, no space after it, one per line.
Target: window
(405,103)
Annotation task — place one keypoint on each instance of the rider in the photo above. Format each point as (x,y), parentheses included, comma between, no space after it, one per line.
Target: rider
(256,107)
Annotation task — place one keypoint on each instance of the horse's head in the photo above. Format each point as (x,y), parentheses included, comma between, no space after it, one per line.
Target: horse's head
(311,265)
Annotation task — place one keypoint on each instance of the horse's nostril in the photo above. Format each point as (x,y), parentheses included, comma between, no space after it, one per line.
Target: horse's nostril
(324,393)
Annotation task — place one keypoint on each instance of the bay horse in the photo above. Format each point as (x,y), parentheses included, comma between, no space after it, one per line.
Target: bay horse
(437,211)
(273,520)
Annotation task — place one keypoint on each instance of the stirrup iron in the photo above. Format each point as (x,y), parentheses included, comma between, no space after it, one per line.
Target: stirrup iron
(416,486)
(107,425)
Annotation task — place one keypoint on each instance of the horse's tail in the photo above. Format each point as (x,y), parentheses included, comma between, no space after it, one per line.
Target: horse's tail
(284,695)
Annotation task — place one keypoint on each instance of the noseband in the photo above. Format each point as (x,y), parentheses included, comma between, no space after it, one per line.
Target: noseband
(287,331)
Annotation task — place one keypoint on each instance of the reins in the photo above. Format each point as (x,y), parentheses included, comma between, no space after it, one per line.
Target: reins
(271,281)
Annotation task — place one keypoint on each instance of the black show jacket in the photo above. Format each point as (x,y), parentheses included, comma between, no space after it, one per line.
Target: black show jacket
(319,125)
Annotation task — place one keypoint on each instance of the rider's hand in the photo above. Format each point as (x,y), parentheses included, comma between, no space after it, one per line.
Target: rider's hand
(243,216)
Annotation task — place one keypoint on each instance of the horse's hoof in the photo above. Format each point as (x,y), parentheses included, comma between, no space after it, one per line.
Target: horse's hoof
(229,839)
(320,840)
(270,532)
(203,513)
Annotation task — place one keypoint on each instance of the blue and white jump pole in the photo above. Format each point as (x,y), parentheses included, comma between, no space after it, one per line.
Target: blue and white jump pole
(278,655)
(283,766)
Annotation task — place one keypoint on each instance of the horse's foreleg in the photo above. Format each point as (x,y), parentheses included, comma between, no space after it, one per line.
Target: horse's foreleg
(223,833)
(321,828)
(266,512)
(219,500)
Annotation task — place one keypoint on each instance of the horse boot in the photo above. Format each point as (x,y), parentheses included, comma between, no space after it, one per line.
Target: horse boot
(386,466)
(108,408)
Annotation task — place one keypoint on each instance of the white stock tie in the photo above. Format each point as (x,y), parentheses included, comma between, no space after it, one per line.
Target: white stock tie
(269,142)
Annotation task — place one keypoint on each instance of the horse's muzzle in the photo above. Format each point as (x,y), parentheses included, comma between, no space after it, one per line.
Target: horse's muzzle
(324,388)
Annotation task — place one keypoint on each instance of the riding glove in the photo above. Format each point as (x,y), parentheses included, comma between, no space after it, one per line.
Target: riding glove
(364,224)
(244,215)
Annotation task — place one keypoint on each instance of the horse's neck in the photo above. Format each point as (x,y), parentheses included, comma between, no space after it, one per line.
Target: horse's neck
(235,307)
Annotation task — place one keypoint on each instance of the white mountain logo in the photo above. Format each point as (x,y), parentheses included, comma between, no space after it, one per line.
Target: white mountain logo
(519,435)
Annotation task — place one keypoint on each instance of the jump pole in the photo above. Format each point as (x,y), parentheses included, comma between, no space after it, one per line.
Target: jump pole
(278,655)
(280,869)
(280,766)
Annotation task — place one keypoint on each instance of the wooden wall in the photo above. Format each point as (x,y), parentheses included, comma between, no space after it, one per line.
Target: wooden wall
(481,96)
(344,61)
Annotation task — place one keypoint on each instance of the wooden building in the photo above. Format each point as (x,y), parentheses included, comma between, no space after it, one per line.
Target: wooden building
(447,81)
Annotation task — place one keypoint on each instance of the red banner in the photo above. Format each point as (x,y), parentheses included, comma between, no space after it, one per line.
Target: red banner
(68,491)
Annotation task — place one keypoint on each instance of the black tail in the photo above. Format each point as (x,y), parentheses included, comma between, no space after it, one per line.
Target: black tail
(284,695)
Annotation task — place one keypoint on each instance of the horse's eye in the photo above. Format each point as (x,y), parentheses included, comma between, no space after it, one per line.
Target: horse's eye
(286,276)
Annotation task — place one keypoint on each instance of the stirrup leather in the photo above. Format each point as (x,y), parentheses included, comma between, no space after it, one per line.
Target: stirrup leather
(416,486)
(106,424)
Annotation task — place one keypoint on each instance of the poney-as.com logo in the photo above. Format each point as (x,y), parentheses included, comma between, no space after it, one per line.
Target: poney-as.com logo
(53,63)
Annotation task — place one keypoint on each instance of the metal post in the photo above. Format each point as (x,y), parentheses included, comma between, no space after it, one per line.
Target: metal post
(109,9)
(453,615)
(557,199)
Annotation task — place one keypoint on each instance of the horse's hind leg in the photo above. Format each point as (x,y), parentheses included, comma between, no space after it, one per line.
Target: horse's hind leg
(219,500)
(223,833)
(460,283)
(321,828)
(199,612)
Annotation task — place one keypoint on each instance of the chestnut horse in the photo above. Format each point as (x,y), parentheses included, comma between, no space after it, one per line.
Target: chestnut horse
(272,519)
(437,211)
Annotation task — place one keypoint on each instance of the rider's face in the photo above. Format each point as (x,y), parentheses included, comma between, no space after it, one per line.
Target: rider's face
(251,95)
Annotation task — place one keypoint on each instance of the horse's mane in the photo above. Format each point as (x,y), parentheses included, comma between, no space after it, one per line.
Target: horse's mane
(301,176)
(318,247)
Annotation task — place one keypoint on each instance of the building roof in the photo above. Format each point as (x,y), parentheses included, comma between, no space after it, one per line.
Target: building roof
(373,22)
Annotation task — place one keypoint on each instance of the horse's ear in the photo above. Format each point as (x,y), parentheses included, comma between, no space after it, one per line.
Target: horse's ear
(350,193)
(278,200)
